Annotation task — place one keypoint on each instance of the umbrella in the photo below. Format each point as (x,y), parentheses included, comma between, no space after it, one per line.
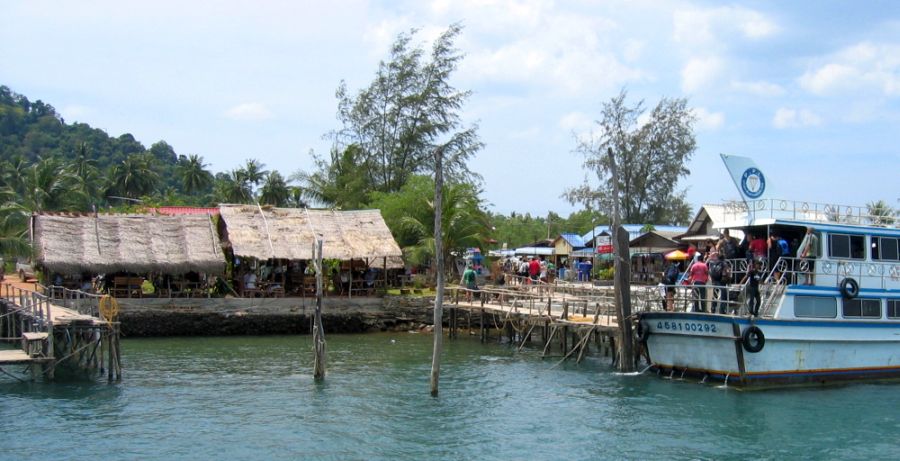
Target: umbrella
(677,255)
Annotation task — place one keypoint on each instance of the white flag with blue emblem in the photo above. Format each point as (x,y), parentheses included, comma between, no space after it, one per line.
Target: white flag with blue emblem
(749,180)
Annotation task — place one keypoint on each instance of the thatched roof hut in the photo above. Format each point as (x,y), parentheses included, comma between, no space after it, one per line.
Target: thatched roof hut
(289,233)
(130,243)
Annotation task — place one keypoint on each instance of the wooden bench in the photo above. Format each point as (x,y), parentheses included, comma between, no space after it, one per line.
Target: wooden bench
(127,287)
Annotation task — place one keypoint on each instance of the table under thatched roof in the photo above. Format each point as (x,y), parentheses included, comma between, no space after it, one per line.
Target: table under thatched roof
(129,243)
(289,233)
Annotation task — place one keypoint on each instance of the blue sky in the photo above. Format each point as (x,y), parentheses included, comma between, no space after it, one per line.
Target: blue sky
(810,90)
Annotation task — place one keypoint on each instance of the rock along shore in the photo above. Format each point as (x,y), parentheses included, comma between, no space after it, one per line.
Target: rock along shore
(153,317)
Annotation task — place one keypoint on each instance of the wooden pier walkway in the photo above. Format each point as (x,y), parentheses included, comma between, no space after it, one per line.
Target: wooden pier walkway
(56,326)
(570,314)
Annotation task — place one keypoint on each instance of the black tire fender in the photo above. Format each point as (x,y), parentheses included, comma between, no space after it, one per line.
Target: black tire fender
(753,339)
(849,288)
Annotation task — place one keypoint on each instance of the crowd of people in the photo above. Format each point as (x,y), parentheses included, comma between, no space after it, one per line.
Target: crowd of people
(712,267)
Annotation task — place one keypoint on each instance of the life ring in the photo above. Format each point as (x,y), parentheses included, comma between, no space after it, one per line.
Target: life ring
(642,332)
(753,339)
(849,288)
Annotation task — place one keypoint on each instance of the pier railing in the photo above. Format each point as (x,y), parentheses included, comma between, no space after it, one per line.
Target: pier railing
(33,305)
(77,300)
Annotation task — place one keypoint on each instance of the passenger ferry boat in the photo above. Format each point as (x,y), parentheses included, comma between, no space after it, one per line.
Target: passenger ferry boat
(836,318)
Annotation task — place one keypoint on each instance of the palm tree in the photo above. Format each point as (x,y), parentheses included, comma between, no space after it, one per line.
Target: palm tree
(275,190)
(14,228)
(880,213)
(135,176)
(254,172)
(85,176)
(194,175)
(233,187)
(462,224)
(48,186)
(342,182)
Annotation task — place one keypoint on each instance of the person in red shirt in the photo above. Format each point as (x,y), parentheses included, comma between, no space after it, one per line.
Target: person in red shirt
(699,275)
(758,247)
(534,269)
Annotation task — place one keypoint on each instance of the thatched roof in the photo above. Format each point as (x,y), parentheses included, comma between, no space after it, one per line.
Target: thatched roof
(289,233)
(130,243)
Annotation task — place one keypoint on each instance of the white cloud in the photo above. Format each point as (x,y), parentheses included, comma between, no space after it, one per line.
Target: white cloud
(759,88)
(534,44)
(793,118)
(865,67)
(251,111)
(707,120)
(711,27)
(576,122)
(698,73)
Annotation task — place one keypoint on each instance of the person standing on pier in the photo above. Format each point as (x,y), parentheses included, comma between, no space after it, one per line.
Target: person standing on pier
(468,280)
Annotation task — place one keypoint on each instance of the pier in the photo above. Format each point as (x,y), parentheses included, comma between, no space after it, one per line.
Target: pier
(58,329)
(567,317)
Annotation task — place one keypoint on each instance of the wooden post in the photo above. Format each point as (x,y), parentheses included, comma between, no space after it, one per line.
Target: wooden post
(318,330)
(622,276)
(439,259)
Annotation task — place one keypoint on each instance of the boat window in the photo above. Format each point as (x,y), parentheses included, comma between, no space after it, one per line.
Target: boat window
(893,310)
(885,248)
(815,306)
(862,308)
(847,246)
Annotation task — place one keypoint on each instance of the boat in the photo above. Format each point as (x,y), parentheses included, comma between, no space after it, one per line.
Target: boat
(835,318)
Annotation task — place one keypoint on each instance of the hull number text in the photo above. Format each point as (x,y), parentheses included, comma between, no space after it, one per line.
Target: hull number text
(690,327)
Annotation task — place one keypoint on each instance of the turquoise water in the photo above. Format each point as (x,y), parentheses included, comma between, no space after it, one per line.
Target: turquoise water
(254,398)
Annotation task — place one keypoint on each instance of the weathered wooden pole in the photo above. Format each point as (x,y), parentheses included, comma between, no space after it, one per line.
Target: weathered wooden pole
(622,284)
(318,330)
(439,267)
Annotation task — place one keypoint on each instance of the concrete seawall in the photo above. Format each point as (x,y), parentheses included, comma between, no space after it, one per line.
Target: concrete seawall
(260,316)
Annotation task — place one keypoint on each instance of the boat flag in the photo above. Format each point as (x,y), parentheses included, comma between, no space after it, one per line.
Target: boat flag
(748,178)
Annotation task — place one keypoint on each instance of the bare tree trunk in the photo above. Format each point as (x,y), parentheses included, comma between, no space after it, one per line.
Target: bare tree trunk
(439,267)
(318,330)
(622,277)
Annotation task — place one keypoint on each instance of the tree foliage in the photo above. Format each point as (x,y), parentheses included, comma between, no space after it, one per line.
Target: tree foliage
(650,156)
(407,111)
(409,213)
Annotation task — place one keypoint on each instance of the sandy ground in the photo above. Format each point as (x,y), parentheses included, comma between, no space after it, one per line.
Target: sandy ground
(15,281)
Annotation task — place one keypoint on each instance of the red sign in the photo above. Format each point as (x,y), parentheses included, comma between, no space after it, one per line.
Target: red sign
(605,249)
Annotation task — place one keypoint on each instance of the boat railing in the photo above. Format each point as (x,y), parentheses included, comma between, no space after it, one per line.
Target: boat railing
(825,272)
(727,299)
(809,211)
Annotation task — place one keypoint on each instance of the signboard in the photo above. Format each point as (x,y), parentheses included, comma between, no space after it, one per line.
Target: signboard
(604,244)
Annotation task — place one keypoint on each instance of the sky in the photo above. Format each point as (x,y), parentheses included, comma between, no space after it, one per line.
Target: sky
(809,89)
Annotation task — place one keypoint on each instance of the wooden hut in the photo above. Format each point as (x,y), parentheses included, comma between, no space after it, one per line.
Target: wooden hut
(358,237)
(72,245)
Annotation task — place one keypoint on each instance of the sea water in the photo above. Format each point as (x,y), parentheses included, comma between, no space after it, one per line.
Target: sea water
(255,398)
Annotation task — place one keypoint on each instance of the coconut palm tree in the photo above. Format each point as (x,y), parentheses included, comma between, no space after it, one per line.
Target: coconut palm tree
(233,187)
(880,213)
(194,175)
(48,186)
(135,176)
(275,190)
(254,171)
(463,224)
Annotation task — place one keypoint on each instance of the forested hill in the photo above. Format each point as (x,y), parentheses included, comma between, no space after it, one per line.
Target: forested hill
(33,130)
